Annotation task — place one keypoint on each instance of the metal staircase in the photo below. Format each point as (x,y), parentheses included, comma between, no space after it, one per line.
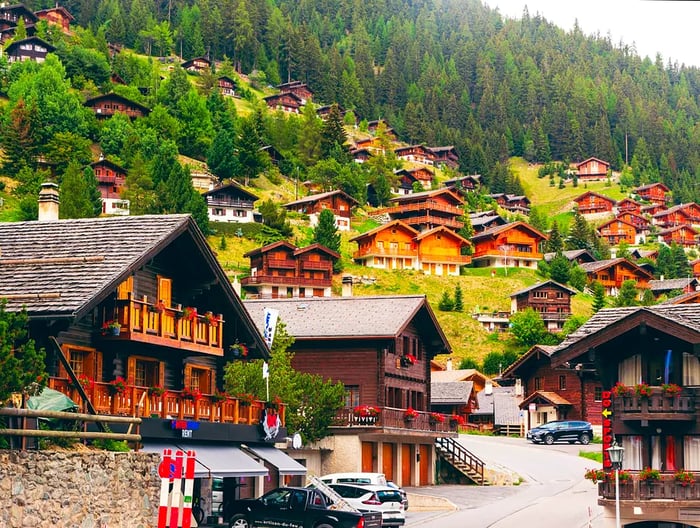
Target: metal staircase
(461,459)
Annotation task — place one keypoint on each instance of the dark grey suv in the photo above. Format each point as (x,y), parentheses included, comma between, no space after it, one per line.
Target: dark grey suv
(567,431)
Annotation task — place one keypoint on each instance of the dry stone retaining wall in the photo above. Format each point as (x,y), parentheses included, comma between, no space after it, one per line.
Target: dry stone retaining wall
(95,489)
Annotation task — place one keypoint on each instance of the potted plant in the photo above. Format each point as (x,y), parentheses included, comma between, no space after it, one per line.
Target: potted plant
(621,389)
(189,313)
(364,411)
(86,382)
(218,396)
(159,307)
(436,418)
(456,420)
(117,386)
(671,389)
(643,390)
(684,478)
(410,414)
(649,475)
(246,399)
(595,475)
(111,327)
(212,320)
(156,390)
(408,359)
(191,394)
(239,350)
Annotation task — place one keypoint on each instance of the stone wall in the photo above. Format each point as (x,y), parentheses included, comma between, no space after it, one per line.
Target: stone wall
(85,489)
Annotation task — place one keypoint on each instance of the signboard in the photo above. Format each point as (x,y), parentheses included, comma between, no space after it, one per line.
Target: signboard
(607,428)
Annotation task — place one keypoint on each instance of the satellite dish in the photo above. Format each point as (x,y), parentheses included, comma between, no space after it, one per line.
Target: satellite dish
(296,441)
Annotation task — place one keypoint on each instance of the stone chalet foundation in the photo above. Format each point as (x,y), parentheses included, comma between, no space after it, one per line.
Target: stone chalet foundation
(84,489)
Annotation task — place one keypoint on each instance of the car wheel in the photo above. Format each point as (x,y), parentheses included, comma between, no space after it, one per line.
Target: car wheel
(239,521)
(549,439)
(584,439)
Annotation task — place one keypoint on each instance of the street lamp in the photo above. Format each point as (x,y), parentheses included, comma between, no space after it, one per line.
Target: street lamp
(616,453)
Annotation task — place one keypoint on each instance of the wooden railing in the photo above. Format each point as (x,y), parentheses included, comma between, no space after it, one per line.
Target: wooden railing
(635,489)
(420,206)
(457,259)
(393,417)
(274,279)
(535,255)
(657,406)
(384,252)
(136,401)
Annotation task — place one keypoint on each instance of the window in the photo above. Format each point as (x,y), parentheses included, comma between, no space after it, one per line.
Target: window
(77,361)
(539,294)
(147,372)
(598,394)
(691,370)
(199,378)
(538,383)
(562,382)
(352,396)
(218,212)
(82,360)
(560,295)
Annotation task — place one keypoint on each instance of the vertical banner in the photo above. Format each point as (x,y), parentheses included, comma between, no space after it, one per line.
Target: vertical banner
(271,316)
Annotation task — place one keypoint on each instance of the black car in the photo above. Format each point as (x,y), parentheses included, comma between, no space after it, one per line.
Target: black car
(569,431)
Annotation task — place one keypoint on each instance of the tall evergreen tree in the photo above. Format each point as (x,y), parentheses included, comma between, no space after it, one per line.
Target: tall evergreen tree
(627,296)
(76,197)
(560,269)
(458,299)
(680,264)
(579,234)
(251,159)
(555,242)
(598,297)
(333,137)
(326,234)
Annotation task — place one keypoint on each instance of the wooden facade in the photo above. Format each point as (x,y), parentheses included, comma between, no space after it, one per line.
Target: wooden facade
(440,251)
(550,299)
(594,203)
(446,156)
(298,89)
(682,235)
(628,205)
(464,184)
(616,231)
(417,153)
(286,102)
(227,86)
(653,192)
(57,16)
(339,202)
(11,14)
(28,49)
(109,104)
(230,203)
(111,180)
(426,210)
(196,65)
(612,273)
(407,177)
(592,169)
(513,203)
(281,270)
(516,244)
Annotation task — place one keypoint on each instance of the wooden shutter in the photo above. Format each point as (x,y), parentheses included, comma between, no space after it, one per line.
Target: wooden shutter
(161,373)
(125,288)
(98,366)
(131,370)
(187,378)
(212,381)
(165,291)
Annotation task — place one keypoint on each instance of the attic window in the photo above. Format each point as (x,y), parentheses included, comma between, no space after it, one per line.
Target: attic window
(393,231)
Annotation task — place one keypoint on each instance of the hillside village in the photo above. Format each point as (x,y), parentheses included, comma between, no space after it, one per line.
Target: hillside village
(470,304)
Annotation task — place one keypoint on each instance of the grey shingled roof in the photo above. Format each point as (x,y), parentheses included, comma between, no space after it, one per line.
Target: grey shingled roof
(451,393)
(346,317)
(540,285)
(671,284)
(502,403)
(61,266)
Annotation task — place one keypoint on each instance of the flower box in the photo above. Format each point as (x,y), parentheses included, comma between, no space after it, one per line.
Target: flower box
(156,390)
(410,414)
(436,418)
(239,350)
(670,389)
(191,394)
(111,328)
(117,386)
(684,478)
(363,411)
(643,390)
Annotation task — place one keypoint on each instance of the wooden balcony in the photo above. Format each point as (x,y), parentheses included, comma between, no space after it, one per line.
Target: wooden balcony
(276,263)
(316,265)
(136,401)
(658,406)
(143,322)
(534,255)
(639,490)
(391,417)
(432,220)
(229,202)
(285,281)
(429,205)
(453,259)
(384,252)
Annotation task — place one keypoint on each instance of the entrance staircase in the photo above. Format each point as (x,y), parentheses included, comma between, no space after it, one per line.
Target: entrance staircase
(461,459)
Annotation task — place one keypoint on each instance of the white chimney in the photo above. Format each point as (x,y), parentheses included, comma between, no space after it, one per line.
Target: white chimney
(488,387)
(236,285)
(347,286)
(448,365)
(48,202)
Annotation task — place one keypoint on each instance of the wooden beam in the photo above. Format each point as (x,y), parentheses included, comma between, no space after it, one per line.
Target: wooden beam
(70,434)
(62,415)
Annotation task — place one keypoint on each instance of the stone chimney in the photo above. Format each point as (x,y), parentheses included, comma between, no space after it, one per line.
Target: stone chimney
(347,286)
(48,202)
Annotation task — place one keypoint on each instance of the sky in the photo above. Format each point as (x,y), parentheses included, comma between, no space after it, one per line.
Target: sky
(654,26)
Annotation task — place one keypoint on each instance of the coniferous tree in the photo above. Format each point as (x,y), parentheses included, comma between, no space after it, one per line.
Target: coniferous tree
(664,262)
(326,234)
(93,191)
(76,198)
(446,303)
(555,242)
(458,299)
(679,262)
(577,277)
(333,137)
(560,269)
(251,159)
(579,234)
(627,296)
(598,297)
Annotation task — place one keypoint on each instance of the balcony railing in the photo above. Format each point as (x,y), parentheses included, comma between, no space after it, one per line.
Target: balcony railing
(286,281)
(281,263)
(227,202)
(420,206)
(136,401)
(638,490)
(316,265)
(456,259)
(374,251)
(145,322)
(394,418)
(534,255)
(657,406)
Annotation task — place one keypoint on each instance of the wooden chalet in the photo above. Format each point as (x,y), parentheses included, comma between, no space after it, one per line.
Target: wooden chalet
(653,192)
(682,214)
(695,266)
(407,177)
(498,410)
(683,235)
(111,180)
(440,251)
(360,155)
(452,398)
(445,156)
(513,203)
(428,209)
(281,270)
(109,104)
(142,301)
(484,220)
(654,208)
(592,169)
(230,203)
(10,15)
(380,349)
(665,286)
(550,299)
(611,273)
(374,126)
(196,65)
(555,394)
(57,16)
(28,49)
(617,230)
(286,102)
(650,254)
(464,184)
(591,202)
(416,153)
(227,86)
(516,244)
(640,222)
(339,202)
(448,375)
(298,89)
(628,205)
(653,348)
(575,256)
(692,297)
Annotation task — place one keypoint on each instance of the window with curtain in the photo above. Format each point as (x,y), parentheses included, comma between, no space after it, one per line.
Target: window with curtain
(691,453)
(629,371)
(691,370)
(656,452)
(633,452)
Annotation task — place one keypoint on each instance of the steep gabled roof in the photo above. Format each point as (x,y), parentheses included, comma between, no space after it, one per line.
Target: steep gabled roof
(493,231)
(316,247)
(269,247)
(446,231)
(232,187)
(614,221)
(542,285)
(17,44)
(320,196)
(419,196)
(592,267)
(446,376)
(571,255)
(393,224)
(591,159)
(547,397)
(651,186)
(114,96)
(684,298)
(533,353)
(451,393)
(61,9)
(593,193)
(660,286)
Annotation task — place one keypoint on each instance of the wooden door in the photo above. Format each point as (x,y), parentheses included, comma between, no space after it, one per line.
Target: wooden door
(368,457)
(388,460)
(406,464)
(424,451)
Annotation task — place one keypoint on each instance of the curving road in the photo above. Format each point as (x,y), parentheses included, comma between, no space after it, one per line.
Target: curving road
(553,494)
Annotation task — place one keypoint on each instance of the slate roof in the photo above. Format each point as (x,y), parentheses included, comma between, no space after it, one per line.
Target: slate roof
(452,393)
(493,231)
(660,286)
(684,298)
(348,317)
(548,397)
(316,197)
(571,254)
(542,284)
(446,376)
(502,403)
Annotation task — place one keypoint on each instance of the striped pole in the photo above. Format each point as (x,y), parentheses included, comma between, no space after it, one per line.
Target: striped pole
(175,495)
(165,471)
(189,487)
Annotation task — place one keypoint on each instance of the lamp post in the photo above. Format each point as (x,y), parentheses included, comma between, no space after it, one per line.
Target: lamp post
(616,453)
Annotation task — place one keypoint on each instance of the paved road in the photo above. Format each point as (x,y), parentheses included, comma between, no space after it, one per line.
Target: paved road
(553,494)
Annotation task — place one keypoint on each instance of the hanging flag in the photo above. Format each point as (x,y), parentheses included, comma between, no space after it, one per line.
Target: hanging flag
(271,316)
(266,370)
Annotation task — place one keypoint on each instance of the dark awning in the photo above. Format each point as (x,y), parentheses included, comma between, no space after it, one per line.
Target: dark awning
(285,464)
(216,460)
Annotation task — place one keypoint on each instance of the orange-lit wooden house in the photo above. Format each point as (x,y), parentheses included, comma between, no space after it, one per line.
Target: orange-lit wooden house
(592,169)
(594,203)
(109,104)
(516,245)
(440,251)
(407,177)
(638,221)
(57,16)
(683,235)
(339,202)
(653,192)
(618,230)
(628,205)
(286,102)
(611,273)
(425,210)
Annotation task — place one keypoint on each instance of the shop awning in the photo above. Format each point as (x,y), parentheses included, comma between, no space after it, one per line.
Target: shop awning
(285,464)
(216,460)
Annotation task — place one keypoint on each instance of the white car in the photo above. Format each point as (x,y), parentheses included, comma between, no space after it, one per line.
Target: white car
(364,479)
(371,498)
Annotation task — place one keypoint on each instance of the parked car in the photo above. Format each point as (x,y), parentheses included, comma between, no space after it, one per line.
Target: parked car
(569,431)
(404,495)
(370,498)
(376,479)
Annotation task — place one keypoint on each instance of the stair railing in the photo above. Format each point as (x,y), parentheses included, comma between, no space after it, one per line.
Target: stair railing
(461,458)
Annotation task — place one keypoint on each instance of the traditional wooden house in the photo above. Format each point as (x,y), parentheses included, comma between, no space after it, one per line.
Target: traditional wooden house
(484,220)
(11,14)
(197,64)
(650,254)
(653,192)
(380,348)
(552,394)
(416,153)
(445,156)
(138,318)
(298,89)
(652,209)
(286,102)
(684,298)
(428,209)
(647,361)
(682,235)
(360,155)
(617,230)
(407,177)
(675,216)
(111,180)
(374,126)
(57,16)
(550,299)
(666,286)
(637,220)
(453,398)
(448,375)
(695,266)
(389,246)
(590,203)
(230,203)
(611,273)
(512,203)
(575,256)
(592,169)
(440,251)
(628,205)
(109,104)
(337,201)
(281,270)
(28,49)
(464,184)
(227,86)
(516,244)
